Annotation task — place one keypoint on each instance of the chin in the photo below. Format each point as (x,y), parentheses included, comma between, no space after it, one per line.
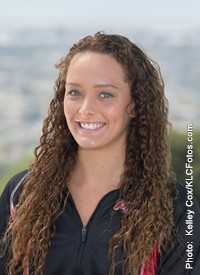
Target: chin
(89,146)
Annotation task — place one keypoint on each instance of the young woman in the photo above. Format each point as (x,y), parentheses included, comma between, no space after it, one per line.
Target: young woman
(100,197)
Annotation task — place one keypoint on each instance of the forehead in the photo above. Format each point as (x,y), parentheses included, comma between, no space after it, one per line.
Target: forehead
(89,56)
(95,63)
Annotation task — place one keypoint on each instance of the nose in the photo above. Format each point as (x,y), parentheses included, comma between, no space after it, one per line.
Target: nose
(87,107)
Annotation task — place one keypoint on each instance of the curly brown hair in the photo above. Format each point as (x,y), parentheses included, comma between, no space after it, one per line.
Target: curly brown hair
(147,183)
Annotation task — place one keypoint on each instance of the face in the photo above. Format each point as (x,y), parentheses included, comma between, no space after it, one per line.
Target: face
(96,100)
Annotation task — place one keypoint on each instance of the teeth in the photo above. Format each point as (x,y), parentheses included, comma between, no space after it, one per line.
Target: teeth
(91,126)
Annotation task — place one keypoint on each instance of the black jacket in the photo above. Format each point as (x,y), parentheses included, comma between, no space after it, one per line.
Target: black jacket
(76,250)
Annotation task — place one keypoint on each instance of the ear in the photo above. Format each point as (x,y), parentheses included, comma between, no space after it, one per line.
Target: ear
(131,110)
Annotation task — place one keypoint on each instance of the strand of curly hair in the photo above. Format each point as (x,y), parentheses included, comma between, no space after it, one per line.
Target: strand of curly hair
(147,183)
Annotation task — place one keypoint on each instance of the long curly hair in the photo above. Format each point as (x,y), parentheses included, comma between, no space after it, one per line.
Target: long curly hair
(147,183)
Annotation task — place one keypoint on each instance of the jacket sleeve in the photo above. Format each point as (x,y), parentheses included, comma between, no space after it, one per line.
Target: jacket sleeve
(182,255)
(5,212)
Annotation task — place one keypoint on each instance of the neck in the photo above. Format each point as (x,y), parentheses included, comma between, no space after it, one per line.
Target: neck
(99,167)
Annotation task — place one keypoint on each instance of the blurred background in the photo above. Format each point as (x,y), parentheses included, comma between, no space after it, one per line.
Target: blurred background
(34,35)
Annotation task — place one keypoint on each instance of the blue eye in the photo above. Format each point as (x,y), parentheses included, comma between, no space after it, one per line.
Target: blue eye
(105,95)
(74,93)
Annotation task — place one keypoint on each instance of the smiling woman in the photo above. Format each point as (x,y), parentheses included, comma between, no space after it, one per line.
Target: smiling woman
(96,98)
(100,197)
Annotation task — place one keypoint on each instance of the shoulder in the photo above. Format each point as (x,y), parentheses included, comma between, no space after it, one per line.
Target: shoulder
(10,195)
(184,246)
(13,183)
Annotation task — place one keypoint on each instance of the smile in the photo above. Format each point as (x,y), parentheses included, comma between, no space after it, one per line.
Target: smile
(91,126)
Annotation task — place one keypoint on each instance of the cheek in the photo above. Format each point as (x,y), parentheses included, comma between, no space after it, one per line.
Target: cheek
(66,109)
(119,111)
(69,109)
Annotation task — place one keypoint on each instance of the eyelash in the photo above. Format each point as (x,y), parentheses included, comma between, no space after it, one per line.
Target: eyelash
(108,95)
(74,93)
(103,95)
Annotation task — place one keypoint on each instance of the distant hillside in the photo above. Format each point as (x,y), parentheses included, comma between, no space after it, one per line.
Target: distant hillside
(27,77)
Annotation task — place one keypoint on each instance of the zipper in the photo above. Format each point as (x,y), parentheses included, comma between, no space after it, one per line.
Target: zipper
(81,249)
(84,232)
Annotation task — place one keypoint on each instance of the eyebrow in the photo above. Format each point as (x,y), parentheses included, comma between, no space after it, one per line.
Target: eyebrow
(107,85)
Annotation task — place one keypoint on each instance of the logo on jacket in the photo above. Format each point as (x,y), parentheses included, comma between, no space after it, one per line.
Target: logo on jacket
(121,205)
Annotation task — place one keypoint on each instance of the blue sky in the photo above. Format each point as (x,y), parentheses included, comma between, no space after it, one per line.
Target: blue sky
(103,14)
